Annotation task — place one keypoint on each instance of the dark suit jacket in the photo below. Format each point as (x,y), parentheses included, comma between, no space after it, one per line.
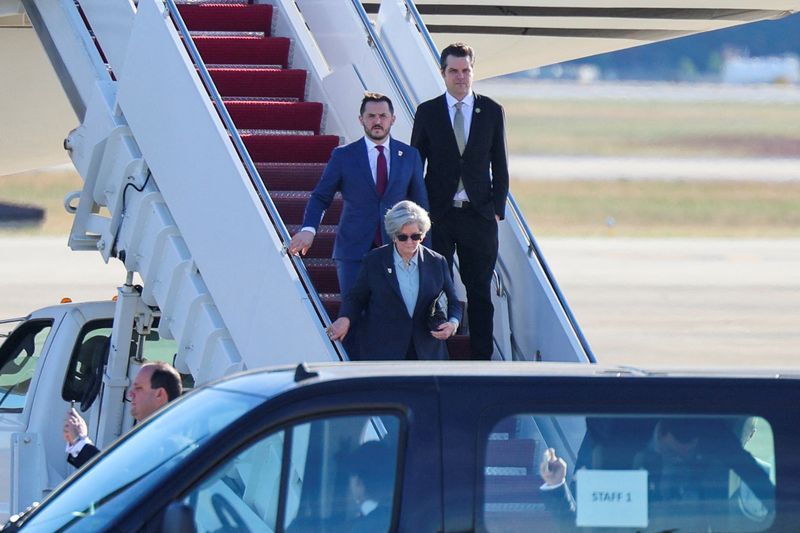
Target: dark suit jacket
(377,521)
(386,329)
(86,453)
(348,171)
(483,165)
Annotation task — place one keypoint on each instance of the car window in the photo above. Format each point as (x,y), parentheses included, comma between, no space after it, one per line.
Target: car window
(159,348)
(242,495)
(89,355)
(18,357)
(329,474)
(647,473)
(147,456)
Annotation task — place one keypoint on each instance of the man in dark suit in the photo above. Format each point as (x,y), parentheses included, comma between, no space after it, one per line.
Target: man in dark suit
(689,462)
(372,173)
(155,385)
(461,135)
(372,471)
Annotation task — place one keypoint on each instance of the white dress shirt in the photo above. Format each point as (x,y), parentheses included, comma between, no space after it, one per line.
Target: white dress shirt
(75,448)
(367,506)
(407,279)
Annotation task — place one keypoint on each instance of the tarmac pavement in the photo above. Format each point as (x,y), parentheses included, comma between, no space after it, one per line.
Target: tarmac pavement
(684,302)
(597,168)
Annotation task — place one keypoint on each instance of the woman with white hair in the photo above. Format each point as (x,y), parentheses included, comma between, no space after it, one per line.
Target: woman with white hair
(396,290)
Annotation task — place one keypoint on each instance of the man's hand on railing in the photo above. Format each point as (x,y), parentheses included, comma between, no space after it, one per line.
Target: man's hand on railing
(301,242)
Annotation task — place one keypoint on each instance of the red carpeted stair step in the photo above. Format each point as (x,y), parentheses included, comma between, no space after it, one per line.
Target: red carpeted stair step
(290,148)
(227,17)
(243,50)
(323,274)
(511,470)
(266,105)
(290,176)
(265,115)
(259,82)
(323,243)
(292,204)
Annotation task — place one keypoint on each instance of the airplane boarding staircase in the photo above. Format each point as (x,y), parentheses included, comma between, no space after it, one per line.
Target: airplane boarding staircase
(200,141)
(203,128)
(280,131)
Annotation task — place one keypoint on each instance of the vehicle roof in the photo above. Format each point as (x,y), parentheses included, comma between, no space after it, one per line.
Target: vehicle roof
(315,373)
(97,309)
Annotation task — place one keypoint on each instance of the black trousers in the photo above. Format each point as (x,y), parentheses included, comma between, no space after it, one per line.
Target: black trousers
(474,238)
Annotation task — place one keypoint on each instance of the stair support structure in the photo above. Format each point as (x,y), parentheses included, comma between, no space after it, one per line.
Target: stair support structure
(154,156)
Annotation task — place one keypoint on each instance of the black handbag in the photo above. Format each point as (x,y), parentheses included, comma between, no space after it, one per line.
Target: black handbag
(437,312)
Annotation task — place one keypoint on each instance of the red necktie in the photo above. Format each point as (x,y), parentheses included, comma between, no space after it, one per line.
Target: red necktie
(381,179)
(382,173)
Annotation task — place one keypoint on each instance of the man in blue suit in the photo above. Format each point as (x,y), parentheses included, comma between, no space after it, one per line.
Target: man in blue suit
(373,174)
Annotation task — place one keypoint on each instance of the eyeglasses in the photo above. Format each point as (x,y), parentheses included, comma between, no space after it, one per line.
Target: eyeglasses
(402,237)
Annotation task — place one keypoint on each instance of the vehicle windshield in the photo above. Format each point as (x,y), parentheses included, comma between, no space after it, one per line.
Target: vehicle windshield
(19,352)
(145,457)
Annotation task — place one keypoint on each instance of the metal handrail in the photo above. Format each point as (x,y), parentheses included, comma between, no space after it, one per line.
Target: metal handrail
(423,29)
(533,249)
(384,57)
(250,166)
(498,281)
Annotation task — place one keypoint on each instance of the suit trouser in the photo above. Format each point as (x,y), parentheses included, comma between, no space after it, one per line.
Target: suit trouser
(347,272)
(474,238)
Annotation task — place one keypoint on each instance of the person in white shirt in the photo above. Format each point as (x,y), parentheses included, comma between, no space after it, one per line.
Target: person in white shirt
(155,385)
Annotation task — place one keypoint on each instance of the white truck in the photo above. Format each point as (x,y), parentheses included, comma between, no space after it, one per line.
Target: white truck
(202,128)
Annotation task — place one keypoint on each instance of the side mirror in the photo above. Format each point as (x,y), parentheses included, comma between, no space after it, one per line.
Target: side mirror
(178,518)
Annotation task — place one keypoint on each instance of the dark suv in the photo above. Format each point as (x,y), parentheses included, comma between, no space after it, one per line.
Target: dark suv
(451,447)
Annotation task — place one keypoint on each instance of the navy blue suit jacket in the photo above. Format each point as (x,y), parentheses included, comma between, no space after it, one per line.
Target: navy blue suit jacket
(387,330)
(348,171)
(83,457)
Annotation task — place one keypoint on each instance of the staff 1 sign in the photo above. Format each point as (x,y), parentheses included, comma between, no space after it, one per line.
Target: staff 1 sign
(611,498)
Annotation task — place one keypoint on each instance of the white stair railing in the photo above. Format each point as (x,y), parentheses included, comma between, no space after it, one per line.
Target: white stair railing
(165,191)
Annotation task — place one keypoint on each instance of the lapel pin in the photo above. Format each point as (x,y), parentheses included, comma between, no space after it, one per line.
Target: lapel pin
(399,153)
(477,109)
(389,270)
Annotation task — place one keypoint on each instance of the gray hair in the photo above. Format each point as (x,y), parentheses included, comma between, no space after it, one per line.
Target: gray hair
(406,212)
